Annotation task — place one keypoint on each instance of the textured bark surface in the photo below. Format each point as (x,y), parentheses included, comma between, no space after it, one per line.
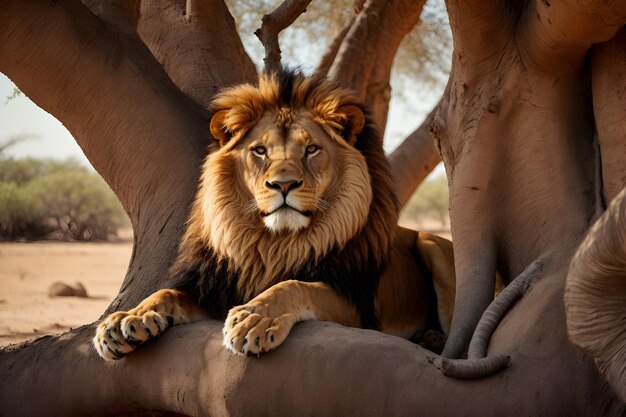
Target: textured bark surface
(194,47)
(316,372)
(515,129)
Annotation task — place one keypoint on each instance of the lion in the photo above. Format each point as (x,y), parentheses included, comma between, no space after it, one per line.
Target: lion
(295,219)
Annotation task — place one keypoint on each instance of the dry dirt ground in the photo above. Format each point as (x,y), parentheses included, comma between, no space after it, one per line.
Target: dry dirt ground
(28,269)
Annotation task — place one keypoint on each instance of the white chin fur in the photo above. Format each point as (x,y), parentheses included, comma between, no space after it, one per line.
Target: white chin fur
(286,219)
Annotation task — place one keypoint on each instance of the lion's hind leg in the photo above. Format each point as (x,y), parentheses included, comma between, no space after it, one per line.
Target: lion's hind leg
(123,331)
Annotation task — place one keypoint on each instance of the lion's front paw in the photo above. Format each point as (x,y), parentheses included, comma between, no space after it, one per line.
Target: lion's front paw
(250,330)
(121,332)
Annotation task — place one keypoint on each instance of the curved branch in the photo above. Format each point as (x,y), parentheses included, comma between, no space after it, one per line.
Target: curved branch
(594,295)
(363,63)
(134,125)
(414,159)
(198,45)
(282,17)
(323,369)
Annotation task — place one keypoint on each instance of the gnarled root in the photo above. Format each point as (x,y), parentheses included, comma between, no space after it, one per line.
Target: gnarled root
(477,364)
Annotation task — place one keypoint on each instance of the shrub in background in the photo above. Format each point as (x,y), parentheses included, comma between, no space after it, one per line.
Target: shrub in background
(429,202)
(49,199)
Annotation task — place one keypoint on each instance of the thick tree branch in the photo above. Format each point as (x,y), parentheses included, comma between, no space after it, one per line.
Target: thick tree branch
(414,159)
(120,15)
(364,60)
(274,23)
(323,369)
(195,43)
(480,29)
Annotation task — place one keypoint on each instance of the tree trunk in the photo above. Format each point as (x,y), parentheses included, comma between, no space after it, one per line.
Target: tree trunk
(515,128)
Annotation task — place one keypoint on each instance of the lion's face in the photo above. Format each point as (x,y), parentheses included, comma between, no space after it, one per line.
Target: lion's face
(288,164)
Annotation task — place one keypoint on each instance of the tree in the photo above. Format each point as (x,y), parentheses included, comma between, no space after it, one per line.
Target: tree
(527,94)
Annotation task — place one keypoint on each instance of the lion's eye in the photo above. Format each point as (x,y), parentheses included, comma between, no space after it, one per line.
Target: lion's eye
(312,150)
(259,150)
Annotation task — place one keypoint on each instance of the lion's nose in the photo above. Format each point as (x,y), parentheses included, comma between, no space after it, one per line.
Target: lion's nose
(283,186)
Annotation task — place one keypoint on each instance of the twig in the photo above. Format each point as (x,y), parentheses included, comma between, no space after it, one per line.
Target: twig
(477,365)
(272,24)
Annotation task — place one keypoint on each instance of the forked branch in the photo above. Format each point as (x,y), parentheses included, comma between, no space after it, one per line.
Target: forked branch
(274,23)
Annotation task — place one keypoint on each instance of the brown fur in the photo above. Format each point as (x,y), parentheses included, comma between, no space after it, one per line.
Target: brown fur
(343,258)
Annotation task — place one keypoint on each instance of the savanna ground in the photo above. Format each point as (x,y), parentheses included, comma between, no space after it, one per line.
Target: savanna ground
(28,269)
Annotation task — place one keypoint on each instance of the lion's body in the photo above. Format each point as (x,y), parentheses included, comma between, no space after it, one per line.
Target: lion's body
(295,218)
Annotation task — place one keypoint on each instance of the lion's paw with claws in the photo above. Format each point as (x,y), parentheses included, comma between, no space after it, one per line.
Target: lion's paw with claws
(121,332)
(252,329)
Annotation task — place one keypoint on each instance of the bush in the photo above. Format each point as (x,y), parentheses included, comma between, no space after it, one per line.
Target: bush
(429,202)
(55,199)
(24,170)
(18,213)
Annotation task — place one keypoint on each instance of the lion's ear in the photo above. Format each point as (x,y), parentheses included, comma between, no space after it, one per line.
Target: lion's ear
(218,128)
(353,122)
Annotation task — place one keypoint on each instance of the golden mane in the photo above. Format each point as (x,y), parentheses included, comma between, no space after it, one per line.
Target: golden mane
(247,103)
(247,250)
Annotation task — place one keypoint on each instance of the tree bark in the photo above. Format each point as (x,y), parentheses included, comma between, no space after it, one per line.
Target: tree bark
(516,131)
(194,46)
(274,23)
(187,371)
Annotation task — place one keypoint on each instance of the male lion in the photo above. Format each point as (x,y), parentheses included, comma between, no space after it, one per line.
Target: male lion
(295,219)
